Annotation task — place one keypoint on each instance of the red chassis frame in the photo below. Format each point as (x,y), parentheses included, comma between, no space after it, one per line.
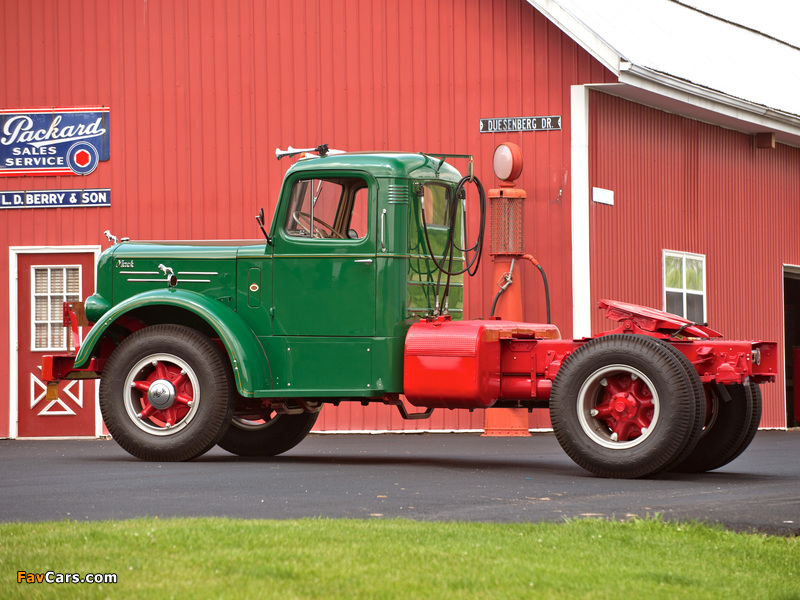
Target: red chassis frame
(478,364)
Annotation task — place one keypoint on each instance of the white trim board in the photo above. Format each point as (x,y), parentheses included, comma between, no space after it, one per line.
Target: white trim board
(581,255)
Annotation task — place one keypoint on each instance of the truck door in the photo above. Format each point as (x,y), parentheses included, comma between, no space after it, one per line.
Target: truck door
(325,258)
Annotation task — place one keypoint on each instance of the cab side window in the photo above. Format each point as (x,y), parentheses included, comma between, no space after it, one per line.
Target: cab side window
(328,208)
(436,203)
(358,223)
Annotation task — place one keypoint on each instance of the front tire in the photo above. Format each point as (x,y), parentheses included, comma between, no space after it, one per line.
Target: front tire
(624,406)
(166,393)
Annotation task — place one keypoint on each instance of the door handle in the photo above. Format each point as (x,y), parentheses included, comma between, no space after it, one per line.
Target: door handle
(364,260)
(383,230)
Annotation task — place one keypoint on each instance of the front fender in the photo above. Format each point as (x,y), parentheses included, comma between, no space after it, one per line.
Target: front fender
(248,359)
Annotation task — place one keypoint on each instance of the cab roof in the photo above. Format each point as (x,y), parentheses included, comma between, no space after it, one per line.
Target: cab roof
(381,164)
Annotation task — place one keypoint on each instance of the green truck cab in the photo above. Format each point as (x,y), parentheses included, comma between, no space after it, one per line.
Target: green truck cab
(318,312)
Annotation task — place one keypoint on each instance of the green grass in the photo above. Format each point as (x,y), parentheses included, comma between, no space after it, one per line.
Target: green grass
(224,558)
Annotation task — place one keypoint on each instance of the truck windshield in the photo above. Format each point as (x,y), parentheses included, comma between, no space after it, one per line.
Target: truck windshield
(328,208)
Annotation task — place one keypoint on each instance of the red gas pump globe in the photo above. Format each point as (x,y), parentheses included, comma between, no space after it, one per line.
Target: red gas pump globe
(507,161)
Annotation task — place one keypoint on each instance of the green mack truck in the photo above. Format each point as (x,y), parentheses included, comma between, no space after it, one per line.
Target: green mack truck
(356,294)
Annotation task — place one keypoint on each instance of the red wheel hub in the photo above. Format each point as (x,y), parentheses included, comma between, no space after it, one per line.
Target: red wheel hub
(166,394)
(626,406)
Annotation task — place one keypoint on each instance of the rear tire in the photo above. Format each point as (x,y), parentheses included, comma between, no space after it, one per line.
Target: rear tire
(700,399)
(166,393)
(624,406)
(732,425)
(267,437)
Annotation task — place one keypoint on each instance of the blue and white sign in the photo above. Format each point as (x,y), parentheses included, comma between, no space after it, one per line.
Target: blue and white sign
(53,141)
(55,198)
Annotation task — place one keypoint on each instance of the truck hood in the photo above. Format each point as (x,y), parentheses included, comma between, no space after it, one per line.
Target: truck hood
(207,268)
(193,249)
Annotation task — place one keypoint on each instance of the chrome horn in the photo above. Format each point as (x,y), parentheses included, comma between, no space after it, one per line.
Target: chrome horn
(279,154)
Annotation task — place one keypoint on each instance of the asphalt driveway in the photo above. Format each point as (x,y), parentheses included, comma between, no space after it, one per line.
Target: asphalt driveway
(436,477)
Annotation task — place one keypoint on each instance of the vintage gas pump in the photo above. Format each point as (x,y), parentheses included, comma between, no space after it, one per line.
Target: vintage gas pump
(506,206)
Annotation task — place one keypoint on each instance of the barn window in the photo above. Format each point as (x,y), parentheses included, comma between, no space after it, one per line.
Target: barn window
(52,286)
(685,285)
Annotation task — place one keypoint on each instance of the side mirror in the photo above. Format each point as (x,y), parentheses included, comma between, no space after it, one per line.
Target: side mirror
(260,222)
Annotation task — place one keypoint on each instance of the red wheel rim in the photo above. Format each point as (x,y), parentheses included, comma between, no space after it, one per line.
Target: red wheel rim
(161,394)
(617,406)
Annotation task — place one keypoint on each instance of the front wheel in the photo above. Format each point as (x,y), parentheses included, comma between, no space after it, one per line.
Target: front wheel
(624,406)
(166,393)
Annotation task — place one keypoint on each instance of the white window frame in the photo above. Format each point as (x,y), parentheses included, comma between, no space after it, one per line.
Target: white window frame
(49,294)
(684,291)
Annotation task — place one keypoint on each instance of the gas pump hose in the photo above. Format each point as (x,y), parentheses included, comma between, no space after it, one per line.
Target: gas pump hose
(544,280)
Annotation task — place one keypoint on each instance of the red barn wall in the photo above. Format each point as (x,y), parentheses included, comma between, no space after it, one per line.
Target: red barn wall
(202,92)
(689,186)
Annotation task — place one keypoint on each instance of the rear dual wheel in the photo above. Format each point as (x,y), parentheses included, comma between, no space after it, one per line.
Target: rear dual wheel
(732,417)
(626,406)
(731,414)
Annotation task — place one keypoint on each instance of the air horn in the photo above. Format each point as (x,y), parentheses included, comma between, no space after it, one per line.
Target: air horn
(321,150)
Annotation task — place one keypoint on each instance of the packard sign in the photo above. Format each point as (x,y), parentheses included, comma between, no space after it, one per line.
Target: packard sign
(53,141)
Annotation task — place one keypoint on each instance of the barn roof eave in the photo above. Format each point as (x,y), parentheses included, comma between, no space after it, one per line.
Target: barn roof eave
(668,92)
(698,102)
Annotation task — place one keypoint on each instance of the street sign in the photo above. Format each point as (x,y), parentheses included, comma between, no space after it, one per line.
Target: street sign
(511,124)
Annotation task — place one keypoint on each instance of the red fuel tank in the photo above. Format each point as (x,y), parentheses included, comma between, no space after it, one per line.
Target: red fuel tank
(452,364)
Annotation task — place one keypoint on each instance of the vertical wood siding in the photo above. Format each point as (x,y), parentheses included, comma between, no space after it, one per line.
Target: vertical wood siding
(693,187)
